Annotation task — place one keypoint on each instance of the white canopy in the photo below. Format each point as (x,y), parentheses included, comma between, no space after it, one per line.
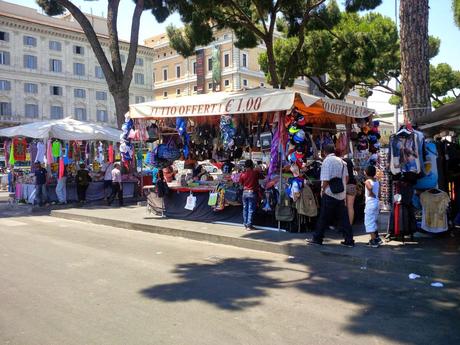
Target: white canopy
(65,129)
(244,101)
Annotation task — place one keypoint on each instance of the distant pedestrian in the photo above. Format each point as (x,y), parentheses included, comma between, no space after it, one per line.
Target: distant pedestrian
(334,178)
(117,186)
(61,187)
(82,179)
(41,196)
(107,168)
(371,210)
(250,182)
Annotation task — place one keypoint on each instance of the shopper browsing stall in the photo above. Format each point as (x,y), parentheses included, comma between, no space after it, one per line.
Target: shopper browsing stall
(117,187)
(371,211)
(82,179)
(351,190)
(41,197)
(250,181)
(107,171)
(334,177)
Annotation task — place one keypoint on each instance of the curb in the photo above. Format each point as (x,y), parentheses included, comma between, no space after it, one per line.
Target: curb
(298,251)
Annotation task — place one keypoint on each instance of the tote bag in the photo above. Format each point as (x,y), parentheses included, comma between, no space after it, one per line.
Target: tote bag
(191,202)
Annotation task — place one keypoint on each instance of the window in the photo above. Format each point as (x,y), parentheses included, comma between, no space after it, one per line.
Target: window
(210,86)
(30,88)
(138,78)
(177,71)
(139,61)
(57,112)
(79,93)
(194,67)
(244,60)
(78,69)
(31,111)
(4,58)
(56,90)
(165,74)
(5,85)
(4,36)
(55,45)
(226,60)
(195,88)
(101,95)
(30,61)
(98,73)
(5,108)
(245,82)
(55,65)
(226,82)
(80,114)
(140,99)
(210,64)
(165,94)
(29,41)
(101,115)
(177,92)
(79,50)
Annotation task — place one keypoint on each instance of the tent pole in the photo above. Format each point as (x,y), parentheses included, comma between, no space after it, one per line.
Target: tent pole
(280,146)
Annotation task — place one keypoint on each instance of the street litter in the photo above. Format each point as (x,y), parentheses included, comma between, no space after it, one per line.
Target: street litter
(437,284)
(413,276)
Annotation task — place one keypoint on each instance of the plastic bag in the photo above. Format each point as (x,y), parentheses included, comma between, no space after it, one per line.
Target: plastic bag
(212,199)
(191,202)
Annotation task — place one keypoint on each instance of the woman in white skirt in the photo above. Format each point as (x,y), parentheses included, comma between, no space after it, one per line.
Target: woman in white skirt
(371,211)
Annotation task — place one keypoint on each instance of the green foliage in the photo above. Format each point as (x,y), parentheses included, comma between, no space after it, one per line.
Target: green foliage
(51,7)
(443,101)
(361,5)
(443,80)
(434,43)
(456,9)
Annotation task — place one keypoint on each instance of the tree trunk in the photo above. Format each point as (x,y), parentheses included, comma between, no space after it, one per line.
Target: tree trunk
(415,66)
(272,63)
(121,99)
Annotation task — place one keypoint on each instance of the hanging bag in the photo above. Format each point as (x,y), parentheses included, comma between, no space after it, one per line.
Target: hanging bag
(212,199)
(168,151)
(266,137)
(191,202)
(336,184)
(284,211)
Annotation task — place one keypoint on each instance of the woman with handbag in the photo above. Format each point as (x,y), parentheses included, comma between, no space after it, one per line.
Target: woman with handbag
(250,181)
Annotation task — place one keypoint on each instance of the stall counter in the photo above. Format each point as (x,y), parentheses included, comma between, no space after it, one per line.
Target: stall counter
(95,191)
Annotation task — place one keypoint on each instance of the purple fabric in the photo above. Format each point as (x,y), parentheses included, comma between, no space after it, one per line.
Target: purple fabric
(274,152)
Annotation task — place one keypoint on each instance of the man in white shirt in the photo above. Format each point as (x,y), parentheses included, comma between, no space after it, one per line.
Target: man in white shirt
(117,187)
(333,204)
(107,171)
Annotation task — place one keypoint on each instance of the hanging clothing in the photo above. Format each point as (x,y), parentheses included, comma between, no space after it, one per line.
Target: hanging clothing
(402,218)
(56,149)
(111,156)
(404,153)
(306,205)
(61,168)
(19,149)
(33,155)
(430,168)
(12,160)
(49,155)
(41,150)
(434,211)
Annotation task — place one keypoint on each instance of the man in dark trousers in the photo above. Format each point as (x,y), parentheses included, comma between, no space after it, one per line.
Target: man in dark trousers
(82,179)
(117,187)
(41,197)
(333,204)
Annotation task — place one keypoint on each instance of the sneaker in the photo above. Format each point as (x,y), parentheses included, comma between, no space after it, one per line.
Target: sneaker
(348,244)
(374,243)
(313,242)
(250,227)
(379,240)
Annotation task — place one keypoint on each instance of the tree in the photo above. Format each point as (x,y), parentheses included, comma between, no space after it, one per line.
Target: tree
(252,21)
(118,80)
(358,51)
(456,9)
(415,68)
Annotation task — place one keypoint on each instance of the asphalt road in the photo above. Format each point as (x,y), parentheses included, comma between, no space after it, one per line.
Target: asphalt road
(65,282)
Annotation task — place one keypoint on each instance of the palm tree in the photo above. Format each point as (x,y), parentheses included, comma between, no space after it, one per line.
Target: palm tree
(415,66)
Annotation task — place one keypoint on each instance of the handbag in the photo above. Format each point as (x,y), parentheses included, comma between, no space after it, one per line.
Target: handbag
(168,151)
(283,211)
(336,184)
(191,202)
(212,199)
(233,194)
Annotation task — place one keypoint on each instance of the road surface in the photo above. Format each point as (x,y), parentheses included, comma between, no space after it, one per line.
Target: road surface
(66,282)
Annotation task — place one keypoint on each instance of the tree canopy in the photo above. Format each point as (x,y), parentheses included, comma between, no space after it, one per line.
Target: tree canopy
(254,21)
(118,78)
(456,9)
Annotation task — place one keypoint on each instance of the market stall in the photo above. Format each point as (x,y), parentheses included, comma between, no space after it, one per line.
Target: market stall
(277,129)
(62,145)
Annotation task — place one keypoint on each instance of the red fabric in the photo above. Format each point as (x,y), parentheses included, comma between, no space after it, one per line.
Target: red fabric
(396,215)
(61,167)
(250,179)
(19,149)
(111,156)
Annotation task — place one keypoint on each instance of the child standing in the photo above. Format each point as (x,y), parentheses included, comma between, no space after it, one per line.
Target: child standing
(371,211)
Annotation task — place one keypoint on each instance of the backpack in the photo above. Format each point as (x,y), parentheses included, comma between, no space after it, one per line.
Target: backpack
(306,205)
(284,211)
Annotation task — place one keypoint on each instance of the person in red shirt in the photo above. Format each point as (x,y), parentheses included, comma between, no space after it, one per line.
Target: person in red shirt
(250,181)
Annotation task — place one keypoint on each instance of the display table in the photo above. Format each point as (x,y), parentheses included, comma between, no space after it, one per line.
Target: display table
(95,191)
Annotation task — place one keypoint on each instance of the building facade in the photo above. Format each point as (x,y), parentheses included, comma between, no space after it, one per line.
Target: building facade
(176,76)
(48,69)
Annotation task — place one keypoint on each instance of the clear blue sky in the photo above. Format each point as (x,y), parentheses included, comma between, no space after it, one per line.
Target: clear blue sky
(441,25)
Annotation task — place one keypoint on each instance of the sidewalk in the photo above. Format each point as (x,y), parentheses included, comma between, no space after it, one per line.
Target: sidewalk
(434,257)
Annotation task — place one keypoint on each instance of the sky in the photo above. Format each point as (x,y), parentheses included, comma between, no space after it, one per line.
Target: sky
(441,24)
